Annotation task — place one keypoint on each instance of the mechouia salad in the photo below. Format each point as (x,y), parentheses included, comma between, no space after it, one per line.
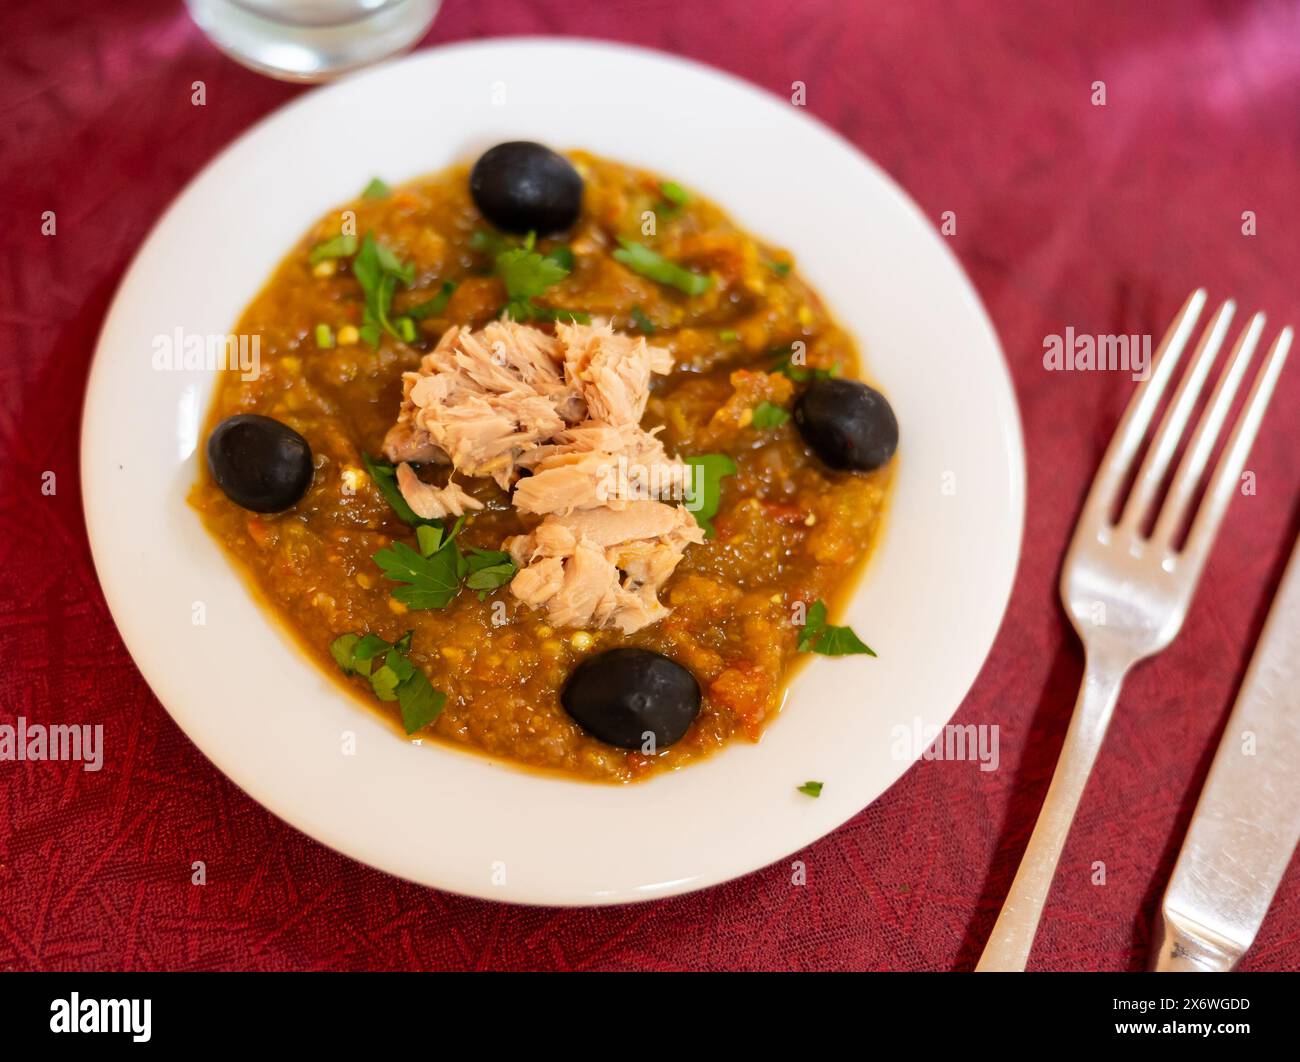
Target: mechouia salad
(549,455)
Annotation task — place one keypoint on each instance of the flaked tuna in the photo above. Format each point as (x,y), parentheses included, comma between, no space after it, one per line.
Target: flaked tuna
(430,502)
(510,399)
(602,567)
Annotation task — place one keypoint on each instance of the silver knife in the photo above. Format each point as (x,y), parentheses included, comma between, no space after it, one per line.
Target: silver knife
(1247,821)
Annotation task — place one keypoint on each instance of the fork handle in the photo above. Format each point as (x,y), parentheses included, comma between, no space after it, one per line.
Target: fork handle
(1013,935)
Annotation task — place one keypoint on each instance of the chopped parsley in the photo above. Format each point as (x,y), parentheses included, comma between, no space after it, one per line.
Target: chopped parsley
(339,247)
(429,581)
(489,569)
(674,193)
(640,259)
(812,789)
(729,335)
(324,336)
(706,482)
(376,189)
(563,256)
(396,678)
(434,307)
(786,365)
(432,576)
(767,415)
(526,273)
(643,323)
(781,269)
(817,636)
(378,270)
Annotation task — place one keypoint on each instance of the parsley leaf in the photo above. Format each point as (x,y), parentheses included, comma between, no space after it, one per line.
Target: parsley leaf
(430,582)
(817,636)
(674,193)
(799,373)
(397,679)
(338,247)
(378,270)
(489,569)
(429,538)
(706,487)
(384,682)
(643,323)
(812,789)
(767,415)
(781,269)
(640,259)
(421,704)
(376,189)
(434,307)
(526,273)
(343,649)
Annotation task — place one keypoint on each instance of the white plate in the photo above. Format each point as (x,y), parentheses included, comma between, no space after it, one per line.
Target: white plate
(930,602)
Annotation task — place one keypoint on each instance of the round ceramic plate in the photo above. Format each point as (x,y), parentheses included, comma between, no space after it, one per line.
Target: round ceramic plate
(929,603)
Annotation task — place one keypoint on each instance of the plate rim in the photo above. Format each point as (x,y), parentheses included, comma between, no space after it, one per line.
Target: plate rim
(1012,436)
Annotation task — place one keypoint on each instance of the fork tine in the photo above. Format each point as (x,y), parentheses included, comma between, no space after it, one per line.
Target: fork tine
(1141,408)
(1173,423)
(1227,474)
(1192,466)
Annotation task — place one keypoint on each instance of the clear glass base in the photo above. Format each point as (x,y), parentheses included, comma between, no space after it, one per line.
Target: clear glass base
(312,40)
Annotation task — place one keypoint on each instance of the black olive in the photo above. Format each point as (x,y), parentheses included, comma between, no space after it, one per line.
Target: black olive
(849,425)
(259,463)
(525,187)
(622,695)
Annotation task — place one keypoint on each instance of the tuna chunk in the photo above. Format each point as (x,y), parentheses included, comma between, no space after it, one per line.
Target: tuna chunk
(566,408)
(612,370)
(614,561)
(430,502)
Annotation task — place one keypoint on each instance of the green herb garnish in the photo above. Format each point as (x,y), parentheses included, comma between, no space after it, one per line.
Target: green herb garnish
(489,569)
(376,189)
(643,323)
(706,483)
(640,259)
(433,576)
(562,256)
(397,679)
(527,273)
(781,269)
(768,415)
(812,789)
(729,335)
(324,336)
(674,193)
(338,247)
(378,270)
(816,636)
(428,582)
(434,307)
(798,373)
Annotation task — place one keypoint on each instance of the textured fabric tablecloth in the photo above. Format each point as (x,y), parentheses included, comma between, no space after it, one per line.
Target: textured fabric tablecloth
(1069,214)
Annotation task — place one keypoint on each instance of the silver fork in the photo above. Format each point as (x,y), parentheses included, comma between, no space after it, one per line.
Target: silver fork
(1126,592)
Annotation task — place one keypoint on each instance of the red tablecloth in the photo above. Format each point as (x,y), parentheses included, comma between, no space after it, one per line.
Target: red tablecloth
(1069,214)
